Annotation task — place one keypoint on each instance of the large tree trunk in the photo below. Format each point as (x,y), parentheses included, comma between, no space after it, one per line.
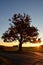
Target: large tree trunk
(20,44)
(20,47)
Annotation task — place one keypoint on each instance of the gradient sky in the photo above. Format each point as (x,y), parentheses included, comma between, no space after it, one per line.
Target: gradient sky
(34,8)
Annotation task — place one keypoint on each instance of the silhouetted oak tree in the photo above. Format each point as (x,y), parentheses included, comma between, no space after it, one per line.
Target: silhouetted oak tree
(21,30)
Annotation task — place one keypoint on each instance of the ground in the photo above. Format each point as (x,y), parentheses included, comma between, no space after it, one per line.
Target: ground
(23,58)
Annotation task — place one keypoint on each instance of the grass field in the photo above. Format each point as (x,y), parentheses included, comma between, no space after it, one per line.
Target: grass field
(23,58)
(34,49)
(15,48)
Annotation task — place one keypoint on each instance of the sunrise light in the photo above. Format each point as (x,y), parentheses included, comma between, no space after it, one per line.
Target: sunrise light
(14,43)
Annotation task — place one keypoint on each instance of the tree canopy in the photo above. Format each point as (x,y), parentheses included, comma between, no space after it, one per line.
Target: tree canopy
(21,30)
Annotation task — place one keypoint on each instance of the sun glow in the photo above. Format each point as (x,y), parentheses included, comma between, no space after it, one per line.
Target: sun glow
(17,43)
(31,45)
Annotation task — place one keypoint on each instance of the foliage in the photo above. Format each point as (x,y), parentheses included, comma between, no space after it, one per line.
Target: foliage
(21,30)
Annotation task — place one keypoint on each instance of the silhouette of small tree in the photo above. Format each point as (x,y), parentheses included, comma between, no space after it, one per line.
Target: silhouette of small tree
(21,30)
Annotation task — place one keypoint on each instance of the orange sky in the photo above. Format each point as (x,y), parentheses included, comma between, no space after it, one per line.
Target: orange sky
(16,43)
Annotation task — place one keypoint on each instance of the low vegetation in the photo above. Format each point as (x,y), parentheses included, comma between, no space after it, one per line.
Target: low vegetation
(26,49)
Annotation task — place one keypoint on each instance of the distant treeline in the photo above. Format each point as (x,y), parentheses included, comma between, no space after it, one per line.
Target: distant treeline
(14,48)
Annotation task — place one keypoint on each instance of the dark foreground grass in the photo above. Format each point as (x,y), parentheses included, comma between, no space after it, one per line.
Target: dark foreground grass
(10,56)
(19,58)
